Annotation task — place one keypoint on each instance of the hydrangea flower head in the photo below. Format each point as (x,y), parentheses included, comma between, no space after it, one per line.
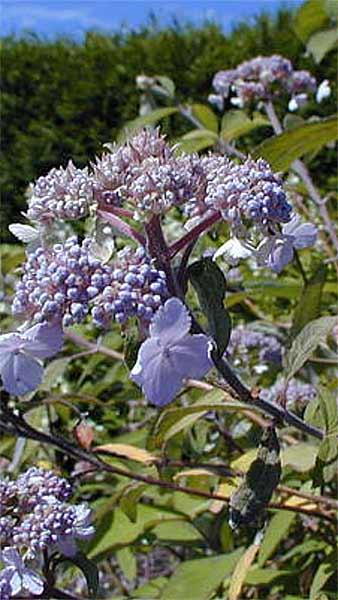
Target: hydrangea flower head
(170,354)
(20,353)
(262,79)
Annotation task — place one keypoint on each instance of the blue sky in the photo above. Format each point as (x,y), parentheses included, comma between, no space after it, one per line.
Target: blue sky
(74,17)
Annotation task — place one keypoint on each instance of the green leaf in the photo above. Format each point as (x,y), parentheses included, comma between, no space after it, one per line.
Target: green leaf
(150,590)
(249,501)
(197,579)
(172,420)
(150,119)
(281,150)
(329,409)
(306,342)
(266,576)
(308,307)
(53,373)
(326,569)
(127,562)
(241,570)
(196,140)
(301,457)
(311,17)
(205,115)
(236,123)
(210,285)
(129,499)
(278,527)
(167,84)
(321,43)
(90,571)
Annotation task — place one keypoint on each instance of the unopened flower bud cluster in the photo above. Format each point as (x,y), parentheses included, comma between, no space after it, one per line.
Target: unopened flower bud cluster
(244,341)
(262,79)
(35,516)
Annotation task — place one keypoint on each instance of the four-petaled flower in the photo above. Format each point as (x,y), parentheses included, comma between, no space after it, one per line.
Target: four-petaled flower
(170,354)
(277,251)
(20,353)
(17,575)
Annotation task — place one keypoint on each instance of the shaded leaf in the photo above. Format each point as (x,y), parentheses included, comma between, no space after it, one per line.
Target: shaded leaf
(197,579)
(236,123)
(167,84)
(278,527)
(325,570)
(281,150)
(210,285)
(90,571)
(308,307)
(129,498)
(306,342)
(53,373)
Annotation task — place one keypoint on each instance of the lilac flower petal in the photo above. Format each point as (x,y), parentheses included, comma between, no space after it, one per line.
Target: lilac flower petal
(159,382)
(13,577)
(189,356)
(11,557)
(171,322)
(32,582)
(148,355)
(21,374)
(281,255)
(10,342)
(44,340)
(305,236)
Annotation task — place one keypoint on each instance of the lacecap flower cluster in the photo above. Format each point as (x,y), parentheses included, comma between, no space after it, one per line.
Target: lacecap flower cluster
(133,186)
(36,519)
(261,80)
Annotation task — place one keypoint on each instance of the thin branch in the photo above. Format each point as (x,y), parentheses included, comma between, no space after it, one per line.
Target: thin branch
(26,430)
(122,226)
(194,233)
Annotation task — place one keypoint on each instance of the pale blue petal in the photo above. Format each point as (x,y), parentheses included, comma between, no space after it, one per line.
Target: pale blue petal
(10,556)
(189,356)
(5,357)
(305,236)
(21,374)
(159,381)
(171,322)
(44,340)
(32,582)
(14,579)
(149,352)
(9,342)
(281,255)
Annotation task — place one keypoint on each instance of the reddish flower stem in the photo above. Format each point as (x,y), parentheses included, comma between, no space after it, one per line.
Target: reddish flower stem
(122,226)
(194,233)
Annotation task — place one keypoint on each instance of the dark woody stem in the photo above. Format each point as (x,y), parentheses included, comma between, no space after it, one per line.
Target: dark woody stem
(9,422)
(194,233)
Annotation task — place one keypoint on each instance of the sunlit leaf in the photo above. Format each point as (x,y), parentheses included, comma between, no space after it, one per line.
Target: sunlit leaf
(236,123)
(281,150)
(241,569)
(127,451)
(205,115)
(321,42)
(306,342)
(278,527)
(310,17)
(197,579)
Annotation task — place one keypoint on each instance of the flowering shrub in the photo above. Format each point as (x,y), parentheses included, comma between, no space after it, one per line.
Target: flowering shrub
(139,246)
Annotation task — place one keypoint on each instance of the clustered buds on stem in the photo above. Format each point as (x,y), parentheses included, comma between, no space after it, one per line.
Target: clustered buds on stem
(36,520)
(260,80)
